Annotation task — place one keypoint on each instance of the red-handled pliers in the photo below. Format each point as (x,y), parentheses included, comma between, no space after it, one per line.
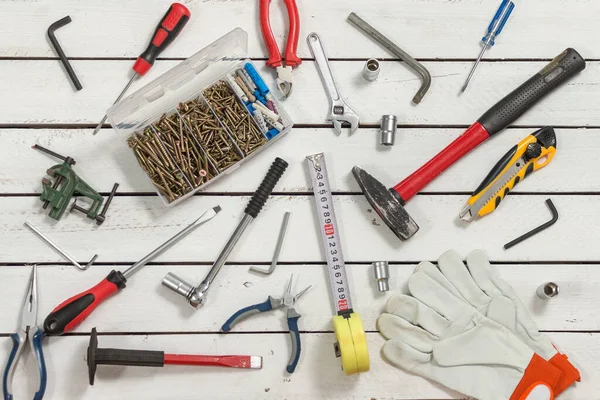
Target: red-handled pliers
(285,79)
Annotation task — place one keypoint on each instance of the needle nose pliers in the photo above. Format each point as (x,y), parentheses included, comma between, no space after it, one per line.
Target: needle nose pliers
(273,303)
(285,79)
(28,332)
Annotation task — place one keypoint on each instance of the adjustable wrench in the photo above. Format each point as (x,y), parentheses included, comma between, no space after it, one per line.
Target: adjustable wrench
(339,111)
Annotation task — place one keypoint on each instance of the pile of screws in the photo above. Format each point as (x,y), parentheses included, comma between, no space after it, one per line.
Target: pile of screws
(172,160)
(235,117)
(202,138)
(212,137)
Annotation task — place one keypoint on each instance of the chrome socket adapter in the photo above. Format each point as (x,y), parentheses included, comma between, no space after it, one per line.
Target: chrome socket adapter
(381,270)
(387,131)
(371,69)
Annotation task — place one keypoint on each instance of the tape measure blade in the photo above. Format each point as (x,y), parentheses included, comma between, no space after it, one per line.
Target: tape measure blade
(328,227)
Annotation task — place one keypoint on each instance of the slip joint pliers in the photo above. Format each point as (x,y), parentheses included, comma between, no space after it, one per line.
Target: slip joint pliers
(285,78)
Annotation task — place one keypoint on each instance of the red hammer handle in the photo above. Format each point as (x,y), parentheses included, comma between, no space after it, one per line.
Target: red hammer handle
(471,138)
(501,115)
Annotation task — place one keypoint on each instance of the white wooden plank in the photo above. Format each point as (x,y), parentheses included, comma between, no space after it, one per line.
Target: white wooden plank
(49,98)
(318,375)
(139,224)
(575,309)
(431,29)
(576,157)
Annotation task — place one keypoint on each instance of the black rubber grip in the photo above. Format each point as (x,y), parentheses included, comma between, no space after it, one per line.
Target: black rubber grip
(507,110)
(259,198)
(135,358)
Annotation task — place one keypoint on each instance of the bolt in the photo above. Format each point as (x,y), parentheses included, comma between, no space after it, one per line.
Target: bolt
(102,216)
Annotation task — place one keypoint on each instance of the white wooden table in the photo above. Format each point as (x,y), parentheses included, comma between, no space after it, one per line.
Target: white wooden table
(38,105)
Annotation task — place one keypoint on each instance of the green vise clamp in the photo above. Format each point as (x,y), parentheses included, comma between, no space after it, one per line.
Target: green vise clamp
(66,185)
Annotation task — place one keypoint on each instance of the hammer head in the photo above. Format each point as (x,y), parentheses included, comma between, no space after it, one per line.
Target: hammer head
(386,204)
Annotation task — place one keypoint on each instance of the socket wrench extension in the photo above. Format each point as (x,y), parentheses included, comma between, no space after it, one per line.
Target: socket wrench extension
(196,296)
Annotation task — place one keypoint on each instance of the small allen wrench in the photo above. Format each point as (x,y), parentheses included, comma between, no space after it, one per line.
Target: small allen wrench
(537,230)
(59,250)
(278,246)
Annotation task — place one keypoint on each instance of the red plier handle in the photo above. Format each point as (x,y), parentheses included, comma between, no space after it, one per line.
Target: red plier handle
(291,59)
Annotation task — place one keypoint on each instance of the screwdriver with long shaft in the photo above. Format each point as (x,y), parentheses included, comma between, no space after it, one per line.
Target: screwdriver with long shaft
(74,310)
(166,31)
(494,29)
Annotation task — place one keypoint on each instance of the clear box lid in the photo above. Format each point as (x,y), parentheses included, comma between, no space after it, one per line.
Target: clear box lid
(180,83)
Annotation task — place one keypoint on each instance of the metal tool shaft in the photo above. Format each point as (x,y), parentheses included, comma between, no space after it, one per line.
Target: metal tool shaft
(483,50)
(237,234)
(99,126)
(59,249)
(278,247)
(207,216)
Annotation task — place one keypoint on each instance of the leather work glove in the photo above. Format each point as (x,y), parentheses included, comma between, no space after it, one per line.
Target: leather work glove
(479,285)
(450,342)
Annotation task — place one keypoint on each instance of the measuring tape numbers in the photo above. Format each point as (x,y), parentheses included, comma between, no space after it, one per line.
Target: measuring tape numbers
(351,343)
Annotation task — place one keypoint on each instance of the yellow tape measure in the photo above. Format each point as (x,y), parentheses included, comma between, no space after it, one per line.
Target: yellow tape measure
(351,343)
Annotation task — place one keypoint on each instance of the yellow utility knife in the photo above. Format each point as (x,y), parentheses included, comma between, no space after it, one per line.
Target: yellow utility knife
(532,153)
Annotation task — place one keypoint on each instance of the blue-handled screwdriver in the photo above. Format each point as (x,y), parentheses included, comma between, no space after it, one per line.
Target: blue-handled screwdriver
(493,31)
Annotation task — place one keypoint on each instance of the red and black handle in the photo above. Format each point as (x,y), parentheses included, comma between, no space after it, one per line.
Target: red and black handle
(166,31)
(504,113)
(70,313)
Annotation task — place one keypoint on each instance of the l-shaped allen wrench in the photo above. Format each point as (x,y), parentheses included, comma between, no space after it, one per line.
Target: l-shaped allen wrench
(397,51)
(61,54)
(537,230)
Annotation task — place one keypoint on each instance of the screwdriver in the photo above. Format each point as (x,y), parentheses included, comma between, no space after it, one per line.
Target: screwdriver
(493,31)
(74,310)
(166,31)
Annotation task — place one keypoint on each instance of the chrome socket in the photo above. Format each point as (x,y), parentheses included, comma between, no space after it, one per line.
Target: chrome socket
(387,130)
(547,291)
(371,69)
(381,270)
(179,286)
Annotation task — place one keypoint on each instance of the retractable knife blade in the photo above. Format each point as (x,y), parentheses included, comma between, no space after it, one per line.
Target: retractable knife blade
(530,154)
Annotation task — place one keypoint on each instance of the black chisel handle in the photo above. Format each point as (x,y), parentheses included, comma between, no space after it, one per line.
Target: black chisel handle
(265,189)
(507,110)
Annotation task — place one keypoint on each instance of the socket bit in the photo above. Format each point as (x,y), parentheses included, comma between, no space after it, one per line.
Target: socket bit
(547,291)
(381,271)
(371,69)
(387,130)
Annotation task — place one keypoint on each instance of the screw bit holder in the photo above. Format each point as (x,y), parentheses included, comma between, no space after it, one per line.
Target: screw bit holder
(66,185)
(196,296)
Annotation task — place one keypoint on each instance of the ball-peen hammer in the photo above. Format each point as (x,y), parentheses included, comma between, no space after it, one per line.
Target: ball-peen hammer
(389,203)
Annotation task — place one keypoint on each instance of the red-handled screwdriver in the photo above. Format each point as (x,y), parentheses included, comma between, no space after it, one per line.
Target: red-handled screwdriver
(74,310)
(166,31)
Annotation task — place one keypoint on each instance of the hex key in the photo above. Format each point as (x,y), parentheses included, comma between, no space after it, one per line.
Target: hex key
(536,230)
(61,54)
(394,49)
